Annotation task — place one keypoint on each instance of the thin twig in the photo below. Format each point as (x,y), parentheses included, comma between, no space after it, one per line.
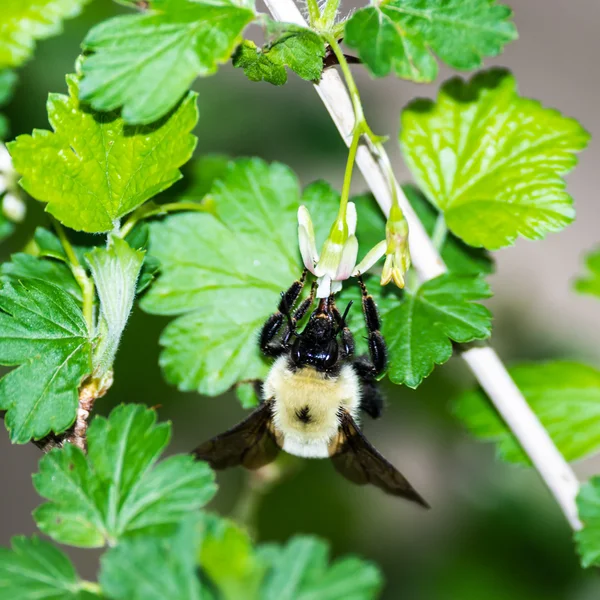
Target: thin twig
(483,361)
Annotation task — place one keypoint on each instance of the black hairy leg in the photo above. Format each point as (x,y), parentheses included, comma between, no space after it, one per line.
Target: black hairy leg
(371,399)
(274,323)
(377,347)
(347,339)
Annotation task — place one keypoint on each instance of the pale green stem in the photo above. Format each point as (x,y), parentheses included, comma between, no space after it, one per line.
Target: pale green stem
(314,14)
(85,283)
(140,214)
(440,231)
(329,13)
(90,586)
(348,174)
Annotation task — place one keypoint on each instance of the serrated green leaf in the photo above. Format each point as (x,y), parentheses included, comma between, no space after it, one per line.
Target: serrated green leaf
(35,570)
(459,257)
(300,571)
(588,538)
(115,272)
(24,266)
(298,48)
(491,160)
(94,169)
(154,568)
(47,245)
(419,331)
(229,560)
(590,283)
(25,21)
(180,39)
(44,336)
(139,238)
(564,395)
(202,174)
(118,489)
(400,36)
(224,277)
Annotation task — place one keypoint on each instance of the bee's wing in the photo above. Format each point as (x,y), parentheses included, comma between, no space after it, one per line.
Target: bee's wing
(251,443)
(357,460)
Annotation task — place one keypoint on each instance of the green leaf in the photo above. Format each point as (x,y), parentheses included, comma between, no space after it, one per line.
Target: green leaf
(491,160)
(300,571)
(44,335)
(115,272)
(420,330)
(118,489)
(35,570)
(459,257)
(590,283)
(47,245)
(203,173)
(179,40)
(298,48)
(229,560)
(8,80)
(94,169)
(139,238)
(154,568)
(400,36)
(247,395)
(224,276)
(25,266)
(564,395)
(588,538)
(25,21)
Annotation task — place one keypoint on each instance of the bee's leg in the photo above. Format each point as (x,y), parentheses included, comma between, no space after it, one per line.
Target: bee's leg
(273,324)
(347,337)
(377,347)
(302,309)
(371,399)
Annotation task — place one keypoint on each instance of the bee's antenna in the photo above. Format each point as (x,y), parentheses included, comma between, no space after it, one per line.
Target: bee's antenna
(342,322)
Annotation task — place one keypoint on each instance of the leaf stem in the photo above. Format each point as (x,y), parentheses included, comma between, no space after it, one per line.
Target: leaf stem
(329,13)
(85,283)
(153,210)
(314,13)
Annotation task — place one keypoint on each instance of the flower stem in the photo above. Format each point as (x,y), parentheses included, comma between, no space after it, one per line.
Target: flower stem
(85,283)
(147,211)
(348,174)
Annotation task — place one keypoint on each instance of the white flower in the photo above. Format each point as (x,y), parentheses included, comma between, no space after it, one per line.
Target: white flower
(13,207)
(338,255)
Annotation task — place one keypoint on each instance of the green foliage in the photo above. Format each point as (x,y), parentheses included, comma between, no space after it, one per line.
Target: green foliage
(44,335)
(300,571)
(25,21)
(8,79)
(229,560)
(179,39)
(115,271)
(298,48)
(460,258)
(419,331)
(154,568)
(94,169)
(491,160)
(564,395)
(588,539)
(118,489)
(35,570)
(224,276)
(25,266)
(590,283)
(400,35)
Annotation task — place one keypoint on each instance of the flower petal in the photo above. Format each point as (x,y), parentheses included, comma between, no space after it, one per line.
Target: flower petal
(308,257)
(304,220)
(373,255)
(386,274)
(351,218)
(5,159)
(324,287)
(13,208)
(348,259)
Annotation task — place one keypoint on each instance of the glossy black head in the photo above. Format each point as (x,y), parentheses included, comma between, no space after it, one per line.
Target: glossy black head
(317,345)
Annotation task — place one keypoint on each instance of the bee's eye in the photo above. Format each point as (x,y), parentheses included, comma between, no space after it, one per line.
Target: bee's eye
(332,355)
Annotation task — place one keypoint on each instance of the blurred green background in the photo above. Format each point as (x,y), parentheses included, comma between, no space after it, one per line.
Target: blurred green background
(493,531)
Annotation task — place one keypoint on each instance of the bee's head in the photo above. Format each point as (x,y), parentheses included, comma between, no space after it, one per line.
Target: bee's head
(317,345)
